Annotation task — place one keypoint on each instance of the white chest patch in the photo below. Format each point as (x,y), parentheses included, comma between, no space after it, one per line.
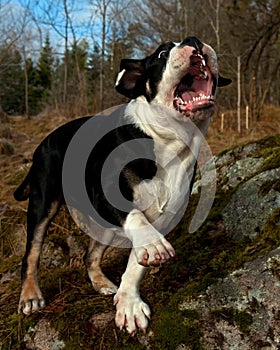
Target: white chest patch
(166,195)
(176,147)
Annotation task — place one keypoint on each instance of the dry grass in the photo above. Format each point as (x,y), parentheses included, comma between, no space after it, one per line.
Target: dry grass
(230,137)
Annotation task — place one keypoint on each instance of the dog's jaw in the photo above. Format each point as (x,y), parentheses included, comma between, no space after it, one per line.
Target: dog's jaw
(189,82)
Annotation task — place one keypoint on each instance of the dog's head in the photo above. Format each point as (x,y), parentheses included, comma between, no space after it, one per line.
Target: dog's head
(182,76)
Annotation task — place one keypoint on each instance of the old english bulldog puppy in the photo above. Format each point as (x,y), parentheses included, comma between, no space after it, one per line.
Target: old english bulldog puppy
(157,136)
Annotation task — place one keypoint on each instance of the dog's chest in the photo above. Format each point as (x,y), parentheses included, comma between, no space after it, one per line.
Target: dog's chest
(167,192)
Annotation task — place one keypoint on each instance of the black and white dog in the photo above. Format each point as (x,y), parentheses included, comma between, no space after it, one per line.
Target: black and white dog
(172,96)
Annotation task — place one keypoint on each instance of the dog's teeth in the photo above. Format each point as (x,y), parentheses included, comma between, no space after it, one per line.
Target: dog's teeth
(181,101)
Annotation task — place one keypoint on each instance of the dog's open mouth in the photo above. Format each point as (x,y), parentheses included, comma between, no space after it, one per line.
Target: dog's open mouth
(195,90)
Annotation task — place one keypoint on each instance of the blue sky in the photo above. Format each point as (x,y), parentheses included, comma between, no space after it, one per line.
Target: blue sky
(49,18)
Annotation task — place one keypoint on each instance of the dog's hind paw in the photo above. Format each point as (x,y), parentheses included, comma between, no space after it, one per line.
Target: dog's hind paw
(27,307)
(31,298)
(132,313)
(108,290)
(101,283)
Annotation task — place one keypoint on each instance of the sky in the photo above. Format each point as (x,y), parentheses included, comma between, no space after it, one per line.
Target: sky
(48,16)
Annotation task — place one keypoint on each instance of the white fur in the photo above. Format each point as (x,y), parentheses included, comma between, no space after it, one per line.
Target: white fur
(177,145)
(119,76)
(132,312)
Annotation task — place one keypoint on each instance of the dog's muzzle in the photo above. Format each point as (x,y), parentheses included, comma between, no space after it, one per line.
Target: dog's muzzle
(196,88)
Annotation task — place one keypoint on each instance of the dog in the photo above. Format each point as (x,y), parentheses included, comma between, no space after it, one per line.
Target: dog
(172,93)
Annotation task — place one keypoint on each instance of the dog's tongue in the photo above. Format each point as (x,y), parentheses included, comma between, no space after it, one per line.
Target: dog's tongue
(197,87)
(188,96)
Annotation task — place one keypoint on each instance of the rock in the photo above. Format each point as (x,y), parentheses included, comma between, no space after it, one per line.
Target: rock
(100,321)
(53,255)
(251,205)
(238,171)
(43,337)
(242,310)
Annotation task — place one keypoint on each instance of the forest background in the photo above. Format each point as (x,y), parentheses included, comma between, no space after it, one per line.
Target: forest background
(62,56)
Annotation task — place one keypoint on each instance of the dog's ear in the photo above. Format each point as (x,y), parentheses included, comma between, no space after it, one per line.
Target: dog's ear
(131,71)
(223,81)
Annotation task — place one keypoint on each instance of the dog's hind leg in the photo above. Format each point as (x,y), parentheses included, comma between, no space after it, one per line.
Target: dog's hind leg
(44,202)
(95,253)
(38,220)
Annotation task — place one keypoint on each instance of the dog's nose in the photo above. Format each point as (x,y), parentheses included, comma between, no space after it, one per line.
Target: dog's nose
(193,42)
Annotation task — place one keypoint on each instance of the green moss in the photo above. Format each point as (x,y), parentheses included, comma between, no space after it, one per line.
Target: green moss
(272,226)
(172,328)
(272,159)
(58,239)
(269,141)
(266,241)
(268,186)
(242,319)
(12,328)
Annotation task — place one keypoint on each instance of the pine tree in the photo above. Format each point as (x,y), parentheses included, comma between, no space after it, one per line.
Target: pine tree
(11,83)
(45,70)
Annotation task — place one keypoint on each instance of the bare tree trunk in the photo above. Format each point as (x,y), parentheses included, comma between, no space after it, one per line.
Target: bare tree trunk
(66,53)
(26,92)
(215,24)
(255,54)
(183,11)
(102,58)
(268,86)
(26,96)
(238,95)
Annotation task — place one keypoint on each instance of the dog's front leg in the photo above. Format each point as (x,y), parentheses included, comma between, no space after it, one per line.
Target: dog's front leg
(132,312)
(151,248)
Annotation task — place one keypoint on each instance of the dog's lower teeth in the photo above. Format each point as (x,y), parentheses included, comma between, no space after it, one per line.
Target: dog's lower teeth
(182,106)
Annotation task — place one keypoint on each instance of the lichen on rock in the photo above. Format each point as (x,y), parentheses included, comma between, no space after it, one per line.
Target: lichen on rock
(241,311)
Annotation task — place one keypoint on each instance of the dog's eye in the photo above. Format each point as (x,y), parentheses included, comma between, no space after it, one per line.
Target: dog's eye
(163,54)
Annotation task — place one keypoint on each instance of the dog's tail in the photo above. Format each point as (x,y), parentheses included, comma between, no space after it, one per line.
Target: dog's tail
(22,192)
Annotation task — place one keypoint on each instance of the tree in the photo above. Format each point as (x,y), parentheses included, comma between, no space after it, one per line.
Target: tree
(11,81)
(77,82)
(258,48)
(45,66)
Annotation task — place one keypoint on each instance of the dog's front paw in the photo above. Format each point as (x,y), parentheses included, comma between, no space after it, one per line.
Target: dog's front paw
(154,254)
(131,312)
(31,298)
